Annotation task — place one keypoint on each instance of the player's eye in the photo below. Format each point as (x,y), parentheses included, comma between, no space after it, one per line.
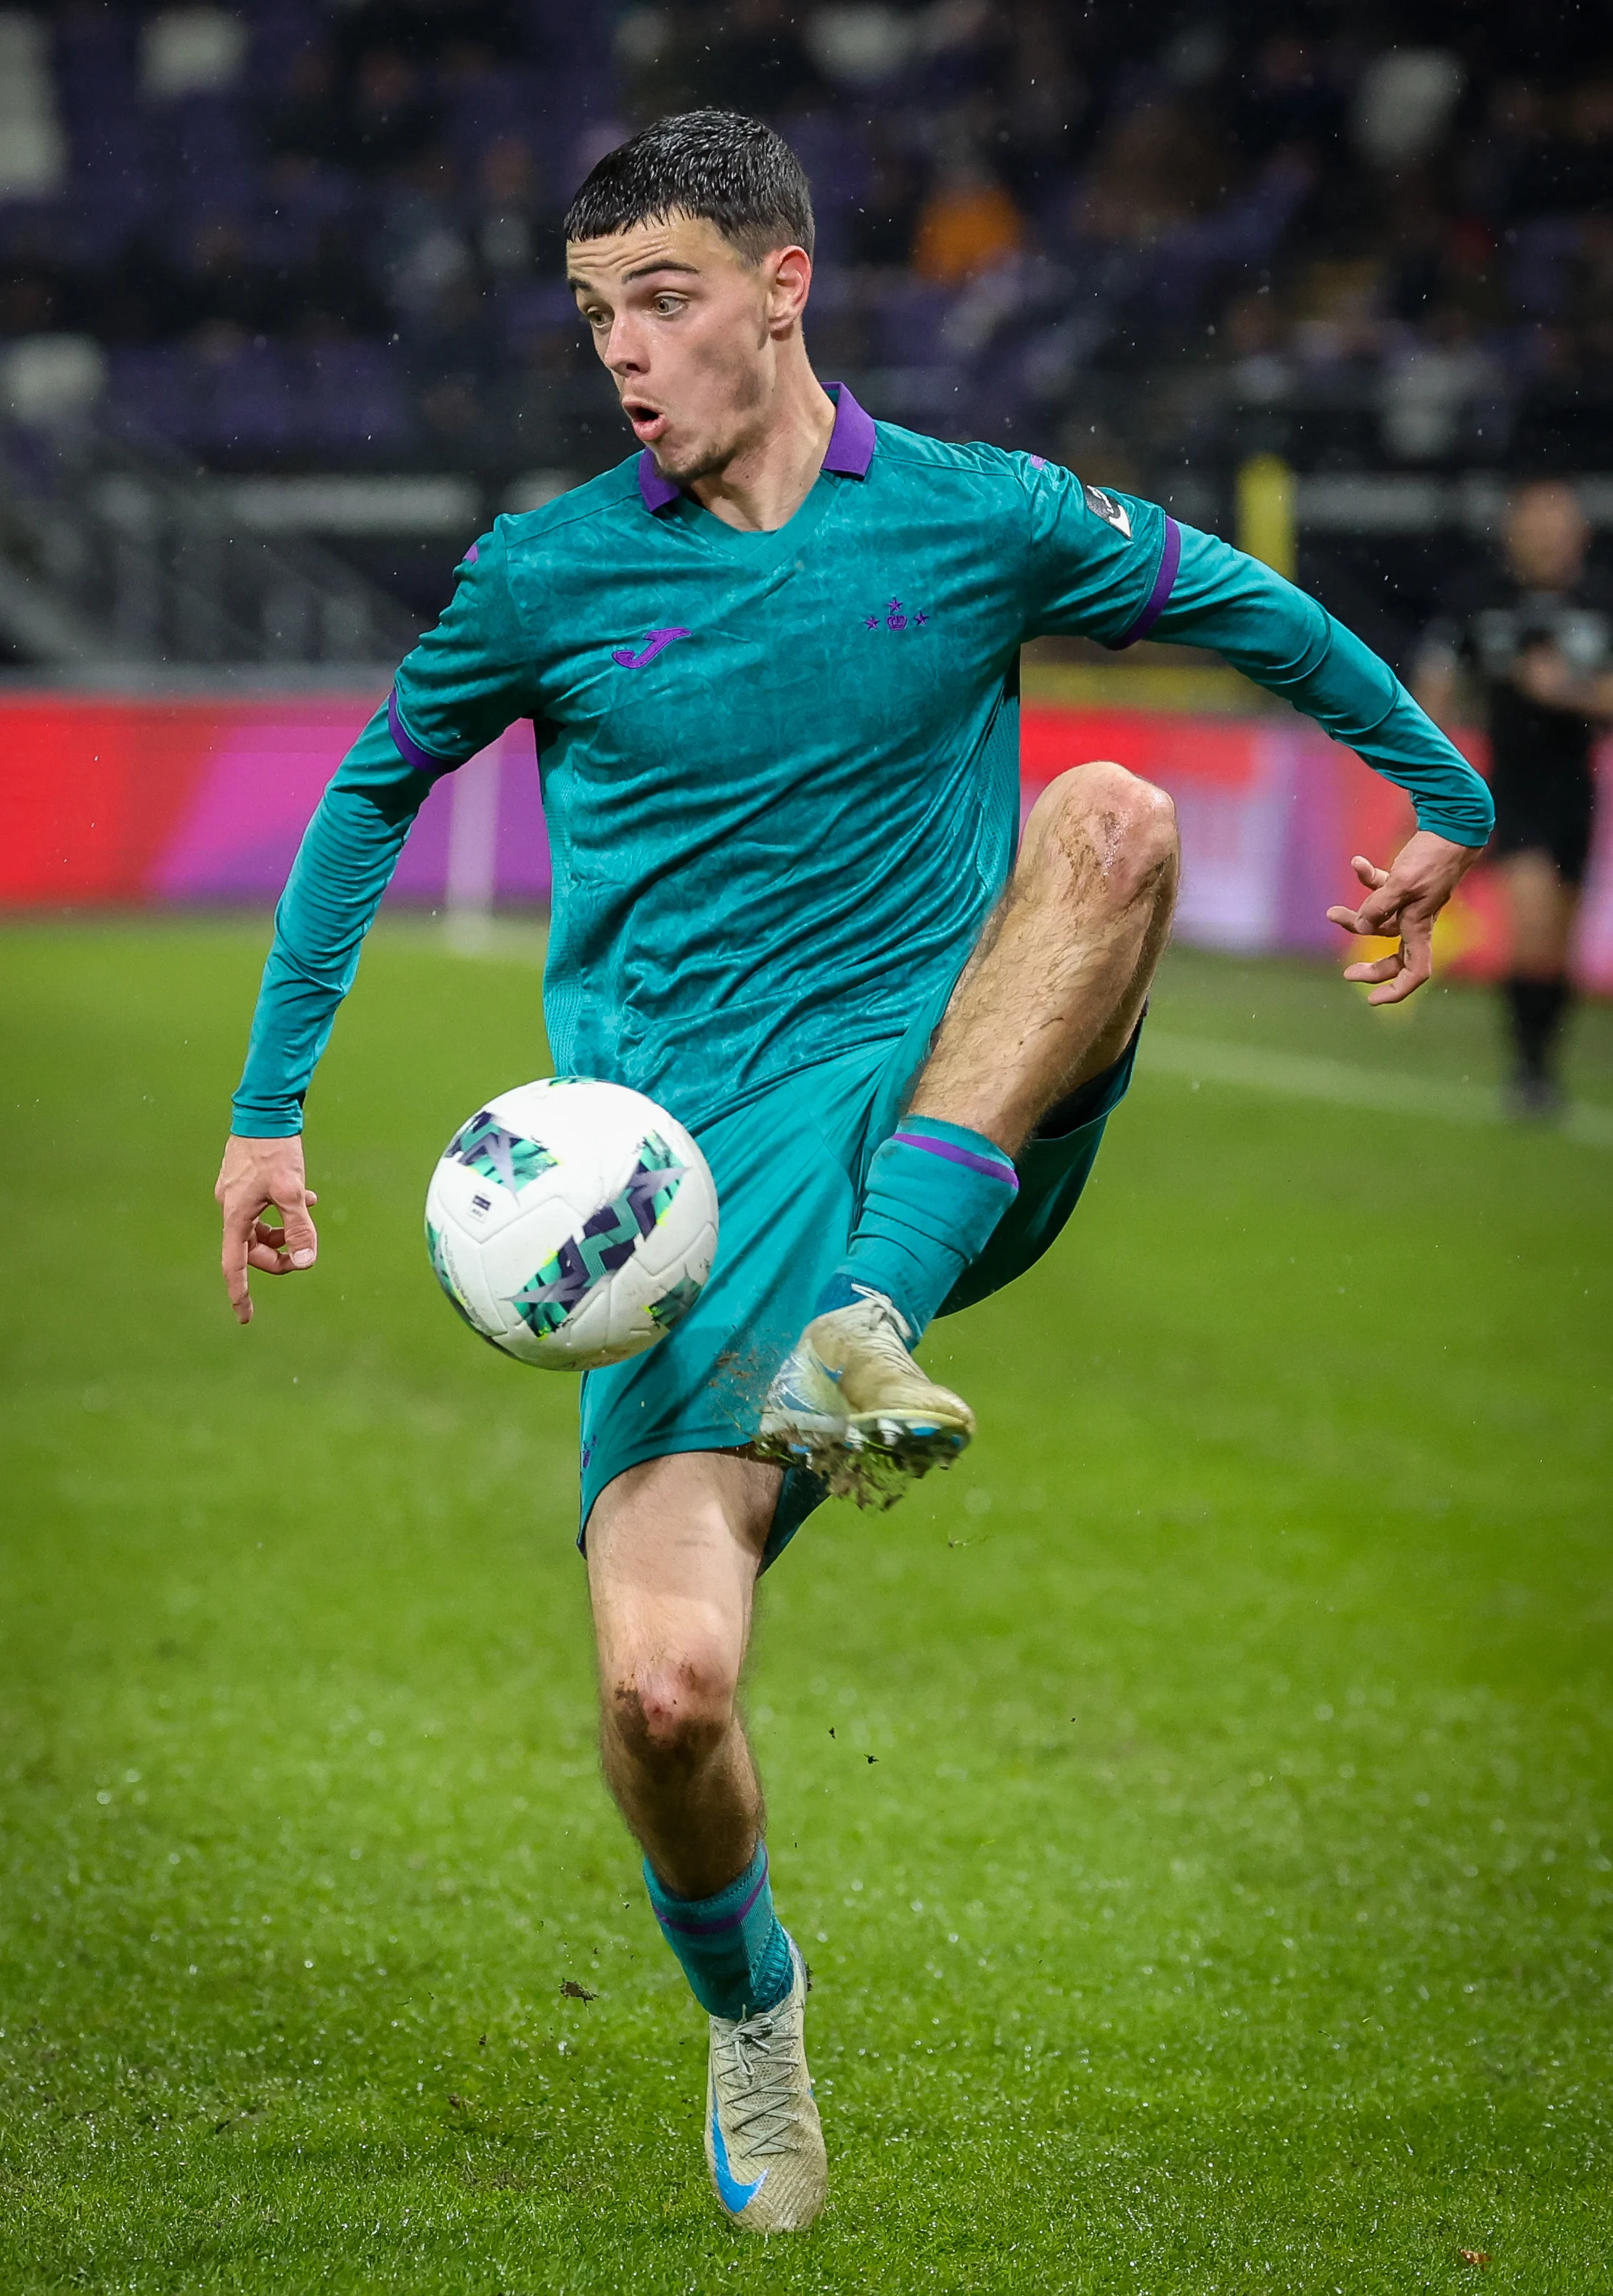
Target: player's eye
(667,306)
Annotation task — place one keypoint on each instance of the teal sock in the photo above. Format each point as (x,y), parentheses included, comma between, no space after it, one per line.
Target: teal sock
(935,1193)
(732,1947)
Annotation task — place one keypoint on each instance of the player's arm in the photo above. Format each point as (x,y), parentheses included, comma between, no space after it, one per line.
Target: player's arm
(1111,567)
(1285,642)
(467,680)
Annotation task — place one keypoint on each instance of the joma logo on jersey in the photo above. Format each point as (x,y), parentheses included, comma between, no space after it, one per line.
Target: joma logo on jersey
(660,640)
(894,618)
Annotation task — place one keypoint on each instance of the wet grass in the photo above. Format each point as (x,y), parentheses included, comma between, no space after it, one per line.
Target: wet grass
(1195,1808)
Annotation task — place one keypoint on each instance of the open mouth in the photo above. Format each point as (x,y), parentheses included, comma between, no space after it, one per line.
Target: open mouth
(649,423)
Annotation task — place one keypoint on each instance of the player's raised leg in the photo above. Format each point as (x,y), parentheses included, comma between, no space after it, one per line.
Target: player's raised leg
(1056,987)
(674,1549)
(1048,1000)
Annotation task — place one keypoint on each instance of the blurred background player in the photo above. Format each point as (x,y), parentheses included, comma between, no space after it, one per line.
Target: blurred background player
(1535,632)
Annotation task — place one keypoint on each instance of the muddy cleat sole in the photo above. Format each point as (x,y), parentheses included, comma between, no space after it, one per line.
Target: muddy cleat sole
(853,1407)
(764,2139)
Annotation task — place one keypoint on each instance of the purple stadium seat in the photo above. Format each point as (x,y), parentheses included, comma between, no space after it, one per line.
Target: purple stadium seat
(298,199)
(207,159)
(525,312)
(509,101)
(356,398)
(280,28)
(250,403)
(152,393)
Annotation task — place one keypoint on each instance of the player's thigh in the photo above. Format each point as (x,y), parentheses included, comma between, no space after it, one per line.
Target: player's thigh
(675,1545)
(1542,906)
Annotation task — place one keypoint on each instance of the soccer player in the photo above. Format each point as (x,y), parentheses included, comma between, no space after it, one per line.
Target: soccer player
(771,660)
(1535,632)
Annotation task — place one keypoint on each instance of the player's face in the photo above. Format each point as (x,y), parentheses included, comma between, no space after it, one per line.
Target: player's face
(689,331)
(1546,536)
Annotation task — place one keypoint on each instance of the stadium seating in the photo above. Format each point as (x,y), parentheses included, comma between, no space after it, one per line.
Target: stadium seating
(273,216)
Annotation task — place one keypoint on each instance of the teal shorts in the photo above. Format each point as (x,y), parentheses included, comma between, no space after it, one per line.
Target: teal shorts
(789,1168)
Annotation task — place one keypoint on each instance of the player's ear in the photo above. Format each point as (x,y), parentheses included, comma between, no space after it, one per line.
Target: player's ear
(789,273)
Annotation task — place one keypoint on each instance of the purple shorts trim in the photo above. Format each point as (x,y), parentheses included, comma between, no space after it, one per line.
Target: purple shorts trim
(723,1921)
(408,747)
(994,1168)
(1159,597)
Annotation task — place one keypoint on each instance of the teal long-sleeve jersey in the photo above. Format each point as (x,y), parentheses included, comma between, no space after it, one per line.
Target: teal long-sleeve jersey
(781,771)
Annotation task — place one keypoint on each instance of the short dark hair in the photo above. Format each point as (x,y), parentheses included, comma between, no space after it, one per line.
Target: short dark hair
(735,171)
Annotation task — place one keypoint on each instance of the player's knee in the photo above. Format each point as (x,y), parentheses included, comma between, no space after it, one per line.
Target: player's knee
(672,1713)
(1103,814)
(1153,843)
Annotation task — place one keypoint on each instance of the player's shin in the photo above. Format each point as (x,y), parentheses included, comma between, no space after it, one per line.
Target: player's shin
(731,1946)
(935,1193)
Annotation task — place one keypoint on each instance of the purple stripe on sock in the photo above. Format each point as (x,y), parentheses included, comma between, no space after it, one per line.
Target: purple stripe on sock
(408,747)
(1159,597)
(723,1921)
(994,1168)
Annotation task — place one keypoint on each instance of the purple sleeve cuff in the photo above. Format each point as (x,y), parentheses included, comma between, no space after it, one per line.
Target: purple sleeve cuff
(1159,597)
(408,749)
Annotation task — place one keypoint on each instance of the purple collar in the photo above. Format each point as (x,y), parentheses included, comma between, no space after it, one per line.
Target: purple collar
(851,442)
(848,454)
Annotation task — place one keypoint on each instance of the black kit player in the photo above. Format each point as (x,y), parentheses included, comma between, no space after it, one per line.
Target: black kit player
(1535,632)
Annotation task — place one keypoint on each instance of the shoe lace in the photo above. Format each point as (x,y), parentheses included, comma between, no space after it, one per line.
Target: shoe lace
(888,1313)
(757,2077)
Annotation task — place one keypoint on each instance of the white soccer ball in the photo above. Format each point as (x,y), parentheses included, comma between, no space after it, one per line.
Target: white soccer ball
(571,1223)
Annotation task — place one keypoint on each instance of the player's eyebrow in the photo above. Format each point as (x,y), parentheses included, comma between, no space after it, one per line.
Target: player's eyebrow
(644,271)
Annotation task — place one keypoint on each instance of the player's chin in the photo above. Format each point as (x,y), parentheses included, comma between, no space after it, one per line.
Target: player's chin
(682,459)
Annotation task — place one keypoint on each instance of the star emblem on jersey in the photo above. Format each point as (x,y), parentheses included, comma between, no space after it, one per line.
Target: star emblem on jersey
(1108,510)
(894,618)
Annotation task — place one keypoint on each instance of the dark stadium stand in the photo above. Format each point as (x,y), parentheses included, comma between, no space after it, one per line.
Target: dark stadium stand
(286,238)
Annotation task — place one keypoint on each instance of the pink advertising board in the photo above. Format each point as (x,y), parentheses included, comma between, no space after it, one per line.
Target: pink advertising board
(158,801)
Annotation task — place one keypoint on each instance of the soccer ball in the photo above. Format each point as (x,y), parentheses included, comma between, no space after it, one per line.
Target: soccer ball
(571,1223)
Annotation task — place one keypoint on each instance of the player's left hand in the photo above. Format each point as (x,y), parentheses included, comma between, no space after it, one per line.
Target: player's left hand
(1405,899)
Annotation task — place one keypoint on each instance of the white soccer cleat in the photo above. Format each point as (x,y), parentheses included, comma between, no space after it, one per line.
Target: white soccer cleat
(764,2141)
(852,1406)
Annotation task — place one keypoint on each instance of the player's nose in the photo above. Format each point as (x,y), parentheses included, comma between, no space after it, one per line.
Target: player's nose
(623,349)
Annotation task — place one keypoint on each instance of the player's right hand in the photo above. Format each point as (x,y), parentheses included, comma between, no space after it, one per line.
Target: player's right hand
(255,1176)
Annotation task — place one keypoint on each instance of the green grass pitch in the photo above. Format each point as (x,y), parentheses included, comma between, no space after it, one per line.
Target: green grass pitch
(1195,1808)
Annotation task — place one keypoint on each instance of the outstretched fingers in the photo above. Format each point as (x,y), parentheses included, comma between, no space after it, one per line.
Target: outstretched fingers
(1375,914)
(1416,957)
(1389,910)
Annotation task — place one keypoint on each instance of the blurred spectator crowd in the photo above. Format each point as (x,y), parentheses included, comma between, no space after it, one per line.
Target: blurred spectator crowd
(324,234)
